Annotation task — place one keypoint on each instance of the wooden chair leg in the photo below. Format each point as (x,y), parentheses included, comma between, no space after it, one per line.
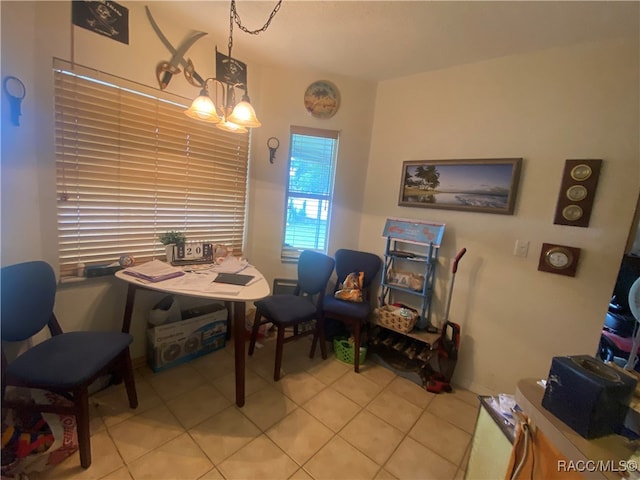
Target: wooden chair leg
(279,348)
(81,399)
(320,333)
(314,342)
(356,346)
(254,332)
(129,380)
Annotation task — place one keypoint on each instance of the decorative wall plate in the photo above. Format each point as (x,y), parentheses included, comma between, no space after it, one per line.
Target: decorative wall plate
(322,99)
(581,172)
(577,192)
(560,259)
(572,212)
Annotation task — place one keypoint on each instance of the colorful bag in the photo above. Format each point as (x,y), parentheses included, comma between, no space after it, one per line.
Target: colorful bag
(351,288)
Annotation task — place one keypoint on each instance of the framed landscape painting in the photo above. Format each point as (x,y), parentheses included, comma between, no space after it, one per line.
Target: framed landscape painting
(487,185)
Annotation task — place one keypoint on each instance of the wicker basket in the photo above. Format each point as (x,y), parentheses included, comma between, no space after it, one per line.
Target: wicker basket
(344,351)
(397,318)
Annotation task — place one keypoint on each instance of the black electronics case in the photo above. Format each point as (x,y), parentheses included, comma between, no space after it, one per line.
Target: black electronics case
(588,395)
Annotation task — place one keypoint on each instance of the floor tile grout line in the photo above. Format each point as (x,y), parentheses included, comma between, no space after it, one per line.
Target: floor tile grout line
(383,388)
(289,456)
(336,433)
(405,435)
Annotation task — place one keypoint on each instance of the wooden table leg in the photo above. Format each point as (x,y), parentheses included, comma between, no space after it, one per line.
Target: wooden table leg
(128,307)
(238,339)
(229,306)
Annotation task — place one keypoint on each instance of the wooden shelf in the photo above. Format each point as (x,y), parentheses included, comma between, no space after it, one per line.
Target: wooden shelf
(409,374)
(411,253)
(430,339)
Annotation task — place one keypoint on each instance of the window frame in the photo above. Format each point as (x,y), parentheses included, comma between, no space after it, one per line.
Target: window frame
(290,254)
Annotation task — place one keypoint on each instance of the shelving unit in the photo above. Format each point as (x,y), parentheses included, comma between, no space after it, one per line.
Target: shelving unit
(408,273)
(414,246)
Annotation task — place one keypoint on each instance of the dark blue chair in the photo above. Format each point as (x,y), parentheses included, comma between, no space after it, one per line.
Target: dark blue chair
(353,314)
(301,306)
(66,363)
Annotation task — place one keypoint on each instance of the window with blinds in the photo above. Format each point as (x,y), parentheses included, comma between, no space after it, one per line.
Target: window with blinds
(309,190)
(131,166)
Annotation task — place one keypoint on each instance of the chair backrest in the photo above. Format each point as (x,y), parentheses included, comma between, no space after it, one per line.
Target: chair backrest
(348,261)
(28,292)
(314,272)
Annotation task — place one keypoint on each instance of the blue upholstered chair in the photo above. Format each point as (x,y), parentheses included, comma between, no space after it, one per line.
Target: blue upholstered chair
(66,363)
(303,305)
(353,314)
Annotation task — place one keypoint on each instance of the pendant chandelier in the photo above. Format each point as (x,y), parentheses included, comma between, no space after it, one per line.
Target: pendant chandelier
(231,75)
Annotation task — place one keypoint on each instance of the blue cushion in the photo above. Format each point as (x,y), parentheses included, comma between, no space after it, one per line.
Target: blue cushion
(287,308)
(355,310)
(67,360)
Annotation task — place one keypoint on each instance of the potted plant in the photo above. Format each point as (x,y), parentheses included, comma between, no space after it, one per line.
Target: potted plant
(169,239)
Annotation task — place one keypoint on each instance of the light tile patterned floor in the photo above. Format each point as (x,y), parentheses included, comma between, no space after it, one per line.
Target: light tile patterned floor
(320,421)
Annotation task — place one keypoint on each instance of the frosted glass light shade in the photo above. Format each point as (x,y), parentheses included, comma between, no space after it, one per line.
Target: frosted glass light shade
(228,126)
(244,114)
(203,109)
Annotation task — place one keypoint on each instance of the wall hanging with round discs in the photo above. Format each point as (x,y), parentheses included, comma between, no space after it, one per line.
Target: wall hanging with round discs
(577,192)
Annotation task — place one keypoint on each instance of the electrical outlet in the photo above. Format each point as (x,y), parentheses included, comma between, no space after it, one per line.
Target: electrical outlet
(521,248)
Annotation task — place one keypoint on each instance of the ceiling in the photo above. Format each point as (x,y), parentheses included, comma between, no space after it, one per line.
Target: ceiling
(380,40)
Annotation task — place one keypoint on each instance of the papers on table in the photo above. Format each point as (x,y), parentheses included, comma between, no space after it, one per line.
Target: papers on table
(201,281)
(201,284)
(154,271)
(229,264)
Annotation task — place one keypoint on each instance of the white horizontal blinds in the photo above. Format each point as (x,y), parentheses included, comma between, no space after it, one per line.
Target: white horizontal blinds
(131,166)
(309,191)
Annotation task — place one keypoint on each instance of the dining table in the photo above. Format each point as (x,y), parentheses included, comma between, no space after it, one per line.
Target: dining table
(199,281)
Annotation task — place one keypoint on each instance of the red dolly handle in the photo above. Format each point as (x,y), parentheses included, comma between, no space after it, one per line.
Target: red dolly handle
(460,254)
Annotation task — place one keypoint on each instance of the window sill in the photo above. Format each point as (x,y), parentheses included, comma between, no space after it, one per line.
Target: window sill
(72,280)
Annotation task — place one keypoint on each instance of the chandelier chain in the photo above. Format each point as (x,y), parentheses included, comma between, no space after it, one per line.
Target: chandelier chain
(236,18)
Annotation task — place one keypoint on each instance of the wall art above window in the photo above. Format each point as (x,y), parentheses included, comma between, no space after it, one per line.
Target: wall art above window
(105,17)
(477,185)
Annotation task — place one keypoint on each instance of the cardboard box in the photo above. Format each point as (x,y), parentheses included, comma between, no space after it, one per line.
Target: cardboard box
(179,342)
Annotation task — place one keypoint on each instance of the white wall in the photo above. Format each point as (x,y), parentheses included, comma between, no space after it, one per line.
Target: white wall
(281,100)
(28,163)
(574,102)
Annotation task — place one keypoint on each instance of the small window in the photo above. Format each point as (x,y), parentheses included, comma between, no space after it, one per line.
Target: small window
(309,191)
